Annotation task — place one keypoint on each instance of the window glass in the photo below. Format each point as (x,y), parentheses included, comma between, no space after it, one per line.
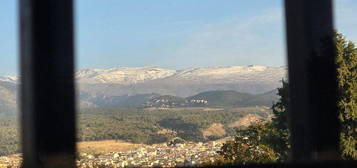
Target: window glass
(9,126)
(164,83)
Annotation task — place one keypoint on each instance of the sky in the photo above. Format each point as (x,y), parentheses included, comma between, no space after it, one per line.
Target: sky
(174,34)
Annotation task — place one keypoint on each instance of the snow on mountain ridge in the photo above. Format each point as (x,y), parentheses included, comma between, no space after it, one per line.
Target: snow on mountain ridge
(134,75)
(11,79)
(212,71)
(122,75)
(125,75)
(232,74)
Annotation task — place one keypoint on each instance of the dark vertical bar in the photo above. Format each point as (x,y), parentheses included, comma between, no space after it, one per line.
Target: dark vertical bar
(47,85)
(312,77)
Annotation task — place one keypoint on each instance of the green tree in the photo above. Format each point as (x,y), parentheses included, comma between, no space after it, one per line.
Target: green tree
(263,142)
(249,145)
(276,134)
(279,131)
(346,62)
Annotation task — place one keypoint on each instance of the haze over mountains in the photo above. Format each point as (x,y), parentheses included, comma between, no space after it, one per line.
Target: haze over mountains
(126,85)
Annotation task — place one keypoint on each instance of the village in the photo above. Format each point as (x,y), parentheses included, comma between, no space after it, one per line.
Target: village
(157,155)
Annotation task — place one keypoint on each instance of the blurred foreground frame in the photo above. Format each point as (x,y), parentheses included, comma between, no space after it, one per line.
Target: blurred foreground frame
(47,83)
(48,96)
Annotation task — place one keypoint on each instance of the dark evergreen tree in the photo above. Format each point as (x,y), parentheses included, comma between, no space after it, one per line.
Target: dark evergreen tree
(276,135)
(263,142)
(279,138)
(346,61)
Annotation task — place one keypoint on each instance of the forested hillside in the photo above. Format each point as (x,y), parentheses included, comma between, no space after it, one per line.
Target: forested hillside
(141,125)
(216,98)
(8,100)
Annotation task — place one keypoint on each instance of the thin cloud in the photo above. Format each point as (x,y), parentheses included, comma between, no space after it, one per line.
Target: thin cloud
(255,40)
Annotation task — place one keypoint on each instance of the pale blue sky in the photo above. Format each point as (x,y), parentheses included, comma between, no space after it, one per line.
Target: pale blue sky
(173,34)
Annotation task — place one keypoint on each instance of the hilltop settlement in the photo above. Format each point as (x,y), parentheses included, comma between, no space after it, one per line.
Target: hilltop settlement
(158,155)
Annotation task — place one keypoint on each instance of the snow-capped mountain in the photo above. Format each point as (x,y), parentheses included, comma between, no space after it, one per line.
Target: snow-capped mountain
(122,75)
(137,75)
(232,74)
(121,85)
(128,81)
(11,79)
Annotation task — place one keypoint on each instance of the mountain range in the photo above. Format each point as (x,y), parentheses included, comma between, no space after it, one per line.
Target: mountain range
(134,85)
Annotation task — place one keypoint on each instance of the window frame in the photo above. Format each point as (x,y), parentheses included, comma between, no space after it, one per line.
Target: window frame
(48,115)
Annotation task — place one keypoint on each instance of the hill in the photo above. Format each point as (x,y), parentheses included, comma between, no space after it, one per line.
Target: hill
(264,99)
(144,125)
(8,101)
(115,101)
(167,101)
(223,98)
(217,98)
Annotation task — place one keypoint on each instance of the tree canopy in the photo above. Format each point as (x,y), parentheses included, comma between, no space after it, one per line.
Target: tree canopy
(346,62)
(269,141)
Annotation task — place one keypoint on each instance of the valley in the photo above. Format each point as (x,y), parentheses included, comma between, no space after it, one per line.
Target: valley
(148,125)
(144,113)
